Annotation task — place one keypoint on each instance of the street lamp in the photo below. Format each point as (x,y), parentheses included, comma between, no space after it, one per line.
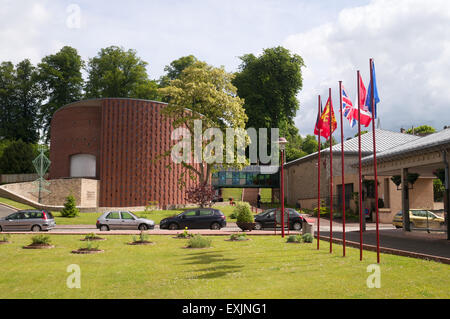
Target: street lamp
(282,142)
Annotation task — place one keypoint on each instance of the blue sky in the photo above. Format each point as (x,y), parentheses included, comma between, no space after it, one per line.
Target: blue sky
(409,40)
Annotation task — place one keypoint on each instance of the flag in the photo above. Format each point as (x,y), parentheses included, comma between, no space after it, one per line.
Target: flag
(366,116)
(369,93)
(316,127)
(324,121)
(348,109)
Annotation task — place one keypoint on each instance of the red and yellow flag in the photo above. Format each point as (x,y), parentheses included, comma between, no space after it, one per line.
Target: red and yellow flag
(324,121)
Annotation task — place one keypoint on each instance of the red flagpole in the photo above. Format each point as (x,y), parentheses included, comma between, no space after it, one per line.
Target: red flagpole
(360,174)
(342,165)
(372,103)
(318,183)
(331,174)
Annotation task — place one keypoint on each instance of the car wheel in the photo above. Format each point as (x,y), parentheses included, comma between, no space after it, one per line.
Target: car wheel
(36,228)
(143,227)
(215,226)
(258,226)
(104,228)
(173,226)
(297,226)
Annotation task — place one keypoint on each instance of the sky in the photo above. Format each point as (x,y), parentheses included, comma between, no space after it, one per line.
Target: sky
(409,41)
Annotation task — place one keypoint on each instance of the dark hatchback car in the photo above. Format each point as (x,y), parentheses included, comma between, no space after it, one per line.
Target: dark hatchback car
(266,219)
(195,218)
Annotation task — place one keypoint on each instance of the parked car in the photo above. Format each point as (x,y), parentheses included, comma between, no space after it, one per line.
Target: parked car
(195,218)
(123,220)
(418,219)
(26,220)
(266,219)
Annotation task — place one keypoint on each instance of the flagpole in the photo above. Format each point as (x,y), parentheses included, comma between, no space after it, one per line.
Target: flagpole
(360,174)
(318,182)
(342,166)
(372,103)
(331,172)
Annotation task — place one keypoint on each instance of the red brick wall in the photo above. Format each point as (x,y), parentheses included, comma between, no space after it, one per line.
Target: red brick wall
(129,136)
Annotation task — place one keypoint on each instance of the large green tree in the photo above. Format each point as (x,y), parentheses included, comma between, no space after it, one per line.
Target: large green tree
(174,69)
(17,158)
(269,84)
(203,92)
(423,129)
(20,99)
(62,81)
(115,72)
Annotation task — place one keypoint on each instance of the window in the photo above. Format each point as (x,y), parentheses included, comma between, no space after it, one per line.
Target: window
(191,213)
(127,215)
(206,212)
(113,215)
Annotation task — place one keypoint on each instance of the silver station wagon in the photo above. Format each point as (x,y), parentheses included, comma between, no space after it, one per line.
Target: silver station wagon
(26,220)
(123,220)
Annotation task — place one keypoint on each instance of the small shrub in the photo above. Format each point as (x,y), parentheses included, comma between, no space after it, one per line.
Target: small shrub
(244,213)
(233,215)
(308,238)
(40,240)
(143,237)
(90,236)
(294,239)
(198,241)
(70,209)
(5,238)
(89,246)
(185,234)
(238,237)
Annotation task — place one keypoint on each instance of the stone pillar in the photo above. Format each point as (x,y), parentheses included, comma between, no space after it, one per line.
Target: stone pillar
(405,200)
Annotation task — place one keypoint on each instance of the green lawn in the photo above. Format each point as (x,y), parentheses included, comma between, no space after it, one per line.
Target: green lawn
(235,193)
(14,203)
(265,267)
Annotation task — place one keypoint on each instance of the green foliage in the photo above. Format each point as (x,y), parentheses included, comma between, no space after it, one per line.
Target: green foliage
(185,234)
(115,72)
(151,206)
(62,82)
(324,210)
(198,241)
(143,237)
(91,236)
(243,213)
(420,130)
(5,238)
(307,238)
(175,68)
(238,237)
(396,179)
(438,190)
(362,132)
(294,238)
(20,99)
(310,144)
(327,143)
(70,209)
(89,246)
(17,158)
(40,240)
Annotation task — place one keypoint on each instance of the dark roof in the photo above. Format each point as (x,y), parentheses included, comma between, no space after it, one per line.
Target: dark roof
(384,140)
(428,142)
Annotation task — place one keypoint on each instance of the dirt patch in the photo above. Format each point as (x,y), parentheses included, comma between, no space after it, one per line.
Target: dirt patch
(4,242)
(38,246)
(93,239)
(87,251)
(247,239)
(137,243)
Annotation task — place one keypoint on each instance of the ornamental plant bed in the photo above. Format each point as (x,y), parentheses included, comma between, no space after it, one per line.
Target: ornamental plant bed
(245,220)
(92,237)
(184,235)
(141,240)
(39,242)
(238,237)
(38,246)
(145,242)
(4,239)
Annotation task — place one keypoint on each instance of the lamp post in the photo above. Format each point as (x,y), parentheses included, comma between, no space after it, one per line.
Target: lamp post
(282,142)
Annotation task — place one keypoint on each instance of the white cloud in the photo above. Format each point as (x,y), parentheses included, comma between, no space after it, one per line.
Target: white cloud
(410,43)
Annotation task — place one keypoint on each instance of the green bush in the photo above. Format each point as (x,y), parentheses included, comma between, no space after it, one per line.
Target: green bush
(185,234)
(5,238)
(233,215)
(244,213)
(198,241)
(238,237)
(70,209)
(89,246)
(143,237)
(308,238)
(294,239)
(40,240)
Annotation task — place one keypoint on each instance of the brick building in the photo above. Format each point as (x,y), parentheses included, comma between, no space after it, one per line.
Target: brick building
(117,141)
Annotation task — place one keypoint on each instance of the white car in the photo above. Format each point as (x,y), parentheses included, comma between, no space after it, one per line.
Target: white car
(123,220)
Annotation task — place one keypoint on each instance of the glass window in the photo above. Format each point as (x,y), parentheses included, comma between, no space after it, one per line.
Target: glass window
(191,213)
(127,215)
(206,212)
(113,215)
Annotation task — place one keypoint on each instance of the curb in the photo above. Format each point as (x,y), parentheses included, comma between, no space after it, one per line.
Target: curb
(390,251)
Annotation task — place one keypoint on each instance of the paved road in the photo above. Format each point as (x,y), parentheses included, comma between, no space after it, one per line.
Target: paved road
(5,211)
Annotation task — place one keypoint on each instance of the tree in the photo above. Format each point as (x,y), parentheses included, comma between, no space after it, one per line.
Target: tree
(203,92)
(201,194)
(269,85)
(115,72)
(421,130)
(310,144)
(20,99)
(17,158)
(362,132)
(62,81)
(70,208)
(175,68)
(327,143)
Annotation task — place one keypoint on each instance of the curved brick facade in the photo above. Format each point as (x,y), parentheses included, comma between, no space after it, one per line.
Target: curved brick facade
(125,135)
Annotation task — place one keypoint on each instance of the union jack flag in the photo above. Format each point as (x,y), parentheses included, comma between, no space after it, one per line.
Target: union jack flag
(350,112)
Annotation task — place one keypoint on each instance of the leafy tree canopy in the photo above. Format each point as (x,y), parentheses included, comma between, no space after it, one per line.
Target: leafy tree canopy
(17,158)
(423,129)
(174,69)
